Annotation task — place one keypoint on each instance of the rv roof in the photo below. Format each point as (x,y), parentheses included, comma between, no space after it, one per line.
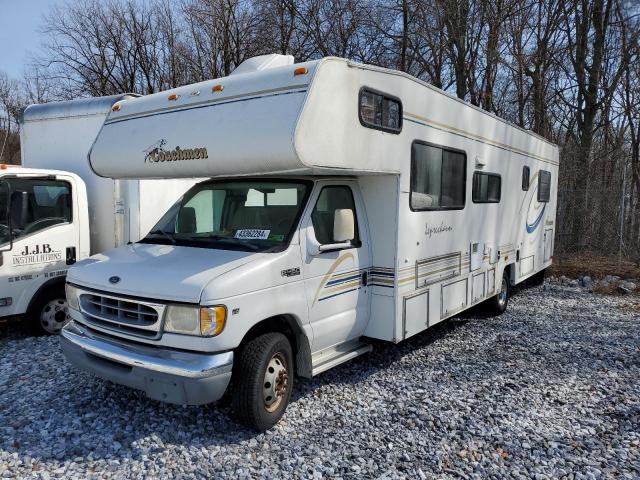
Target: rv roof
(72,108)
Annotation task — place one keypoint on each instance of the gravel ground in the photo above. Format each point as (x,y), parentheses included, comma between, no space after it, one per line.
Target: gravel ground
(549,390)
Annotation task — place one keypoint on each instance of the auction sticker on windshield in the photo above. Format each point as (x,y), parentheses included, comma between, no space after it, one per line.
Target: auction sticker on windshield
(252,234)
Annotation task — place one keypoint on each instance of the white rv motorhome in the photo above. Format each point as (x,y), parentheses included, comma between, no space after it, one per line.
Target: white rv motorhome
(58,211)
(344,202)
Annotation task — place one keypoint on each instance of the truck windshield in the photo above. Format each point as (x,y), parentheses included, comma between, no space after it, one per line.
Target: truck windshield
(258,215)
(5,232)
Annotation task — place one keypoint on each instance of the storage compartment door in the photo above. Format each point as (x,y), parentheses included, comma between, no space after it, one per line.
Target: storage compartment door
(454,298)
(416,313)
(548,244)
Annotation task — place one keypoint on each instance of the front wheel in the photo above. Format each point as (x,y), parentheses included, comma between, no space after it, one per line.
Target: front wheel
(49,313)
(498,304)
(262,381)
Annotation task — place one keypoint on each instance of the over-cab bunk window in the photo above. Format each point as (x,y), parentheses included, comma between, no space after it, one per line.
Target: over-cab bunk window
(544,186)
(380,111)
(486,187)
(438,178)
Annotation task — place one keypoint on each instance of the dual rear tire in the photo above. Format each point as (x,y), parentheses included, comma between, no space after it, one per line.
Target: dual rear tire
(498,304)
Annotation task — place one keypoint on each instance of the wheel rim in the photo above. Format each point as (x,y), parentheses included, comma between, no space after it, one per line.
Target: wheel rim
(276,382)
(502,296)
(54,316)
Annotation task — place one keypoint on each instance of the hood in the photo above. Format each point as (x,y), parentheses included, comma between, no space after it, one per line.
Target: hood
(162,272)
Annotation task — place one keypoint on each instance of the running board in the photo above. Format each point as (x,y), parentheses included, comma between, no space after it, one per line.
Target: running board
(333,356)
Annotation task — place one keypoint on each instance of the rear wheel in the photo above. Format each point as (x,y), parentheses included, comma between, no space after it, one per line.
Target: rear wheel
(49,313)
(263,381)
(498,304)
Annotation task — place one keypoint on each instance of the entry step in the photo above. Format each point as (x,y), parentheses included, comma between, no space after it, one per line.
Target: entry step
(333,356)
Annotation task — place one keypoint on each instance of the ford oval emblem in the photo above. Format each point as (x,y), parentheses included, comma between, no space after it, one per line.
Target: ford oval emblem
(114,279)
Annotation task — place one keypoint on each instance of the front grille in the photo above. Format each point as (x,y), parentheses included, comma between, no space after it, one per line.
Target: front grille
(124,315)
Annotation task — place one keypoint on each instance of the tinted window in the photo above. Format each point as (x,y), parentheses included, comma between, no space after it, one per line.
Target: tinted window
(331,199)
(526,175)
(37,204)
(380,111)
(438,178)
(544,186)
(486,187)
(5,235)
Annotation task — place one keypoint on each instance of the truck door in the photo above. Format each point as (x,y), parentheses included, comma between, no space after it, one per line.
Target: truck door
(336,280)
(42,239)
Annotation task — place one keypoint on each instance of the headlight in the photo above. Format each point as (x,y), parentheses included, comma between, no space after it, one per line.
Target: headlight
(192,320)
(73,297)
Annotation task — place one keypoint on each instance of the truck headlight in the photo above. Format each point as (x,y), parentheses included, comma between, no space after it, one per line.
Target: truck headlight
(192,320)
(73,297)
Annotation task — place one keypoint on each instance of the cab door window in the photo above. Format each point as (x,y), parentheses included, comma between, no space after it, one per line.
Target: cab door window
(37,204)
(332,198)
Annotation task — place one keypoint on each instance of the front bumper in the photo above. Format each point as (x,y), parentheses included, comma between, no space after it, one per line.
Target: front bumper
(172,376)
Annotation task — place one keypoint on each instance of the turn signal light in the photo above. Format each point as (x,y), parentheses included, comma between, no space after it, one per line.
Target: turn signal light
(173,97)
(212,320)
(217,88)
(300,71)
(115,108)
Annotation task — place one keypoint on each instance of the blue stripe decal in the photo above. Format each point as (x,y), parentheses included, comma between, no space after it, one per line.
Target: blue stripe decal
(336,294)
(342,280)
(531,227)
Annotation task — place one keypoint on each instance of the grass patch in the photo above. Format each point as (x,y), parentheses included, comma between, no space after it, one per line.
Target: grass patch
(596,266)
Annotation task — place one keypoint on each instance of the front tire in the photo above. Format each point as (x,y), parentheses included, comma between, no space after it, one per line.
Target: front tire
(49,313)
(263,381)
(498,304)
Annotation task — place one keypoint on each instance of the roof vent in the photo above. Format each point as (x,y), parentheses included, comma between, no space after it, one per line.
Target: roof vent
(263,62)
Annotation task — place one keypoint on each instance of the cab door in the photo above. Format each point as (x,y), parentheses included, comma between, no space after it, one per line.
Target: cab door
(336,280)
(43,238)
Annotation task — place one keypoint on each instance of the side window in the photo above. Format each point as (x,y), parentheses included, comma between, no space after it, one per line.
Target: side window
(486,187)
(380,111)
(544,186)
(526,177)
(331,199)
(37,204)
(438,178)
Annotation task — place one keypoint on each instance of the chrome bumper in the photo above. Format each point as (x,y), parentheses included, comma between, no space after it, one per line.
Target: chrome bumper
(167,375)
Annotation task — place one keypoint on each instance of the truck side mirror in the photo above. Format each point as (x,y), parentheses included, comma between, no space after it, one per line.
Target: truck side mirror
(343,225)
(6,237)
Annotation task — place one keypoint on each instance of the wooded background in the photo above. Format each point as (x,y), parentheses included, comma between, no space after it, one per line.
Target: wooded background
(567,69)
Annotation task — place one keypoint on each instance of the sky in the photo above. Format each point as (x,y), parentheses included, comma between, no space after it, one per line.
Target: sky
(19,24)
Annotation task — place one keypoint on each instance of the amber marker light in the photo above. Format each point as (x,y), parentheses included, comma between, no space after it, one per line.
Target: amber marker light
(212,320)
(173,97)
(115,108)
(217,88)
(300,71)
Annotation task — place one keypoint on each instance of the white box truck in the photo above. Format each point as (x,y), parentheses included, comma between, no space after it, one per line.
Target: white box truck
(57,210)
(344,202)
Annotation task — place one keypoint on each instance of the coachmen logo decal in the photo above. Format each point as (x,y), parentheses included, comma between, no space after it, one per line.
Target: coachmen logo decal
(156,153)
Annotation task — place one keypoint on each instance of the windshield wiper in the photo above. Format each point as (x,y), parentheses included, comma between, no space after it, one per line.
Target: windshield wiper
(229,241)
(165,234)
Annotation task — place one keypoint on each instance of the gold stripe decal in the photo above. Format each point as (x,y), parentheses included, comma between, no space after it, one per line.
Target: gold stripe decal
(452,129)
(327,276)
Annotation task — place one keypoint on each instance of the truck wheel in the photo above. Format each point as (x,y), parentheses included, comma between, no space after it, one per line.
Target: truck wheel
(498,304)
(263,381)
(49,313)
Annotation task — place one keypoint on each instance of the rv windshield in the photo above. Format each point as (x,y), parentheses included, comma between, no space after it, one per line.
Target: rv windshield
(249,215)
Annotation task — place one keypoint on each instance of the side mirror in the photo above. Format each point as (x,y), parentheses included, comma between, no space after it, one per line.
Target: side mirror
(6,237)
(344,225)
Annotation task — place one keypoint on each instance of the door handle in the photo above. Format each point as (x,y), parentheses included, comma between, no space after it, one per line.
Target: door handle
(365,279)
(71,255)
